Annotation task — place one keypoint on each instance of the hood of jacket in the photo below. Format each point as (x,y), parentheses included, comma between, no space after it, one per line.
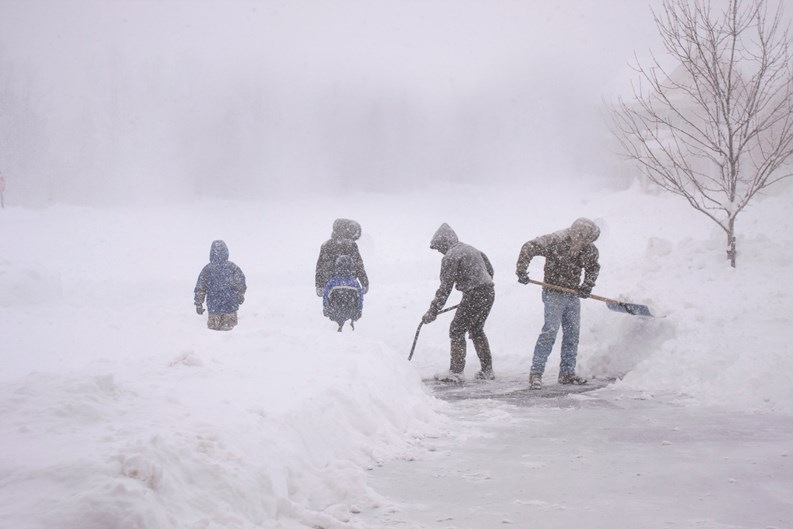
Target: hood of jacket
(444,239)
(219,253)
(346,229)
(583,232)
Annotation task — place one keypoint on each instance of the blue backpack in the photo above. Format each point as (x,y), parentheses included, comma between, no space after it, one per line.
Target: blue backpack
(342,298)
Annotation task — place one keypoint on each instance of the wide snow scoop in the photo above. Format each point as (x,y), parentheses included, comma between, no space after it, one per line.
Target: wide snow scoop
(617,306)
(416,338)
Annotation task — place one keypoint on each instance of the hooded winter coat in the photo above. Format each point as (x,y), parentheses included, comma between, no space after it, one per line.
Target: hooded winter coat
(462,266)
(341,242)
(567,252)
(221,282)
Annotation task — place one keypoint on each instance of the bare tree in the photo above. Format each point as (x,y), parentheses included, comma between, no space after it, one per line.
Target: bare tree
(717,128)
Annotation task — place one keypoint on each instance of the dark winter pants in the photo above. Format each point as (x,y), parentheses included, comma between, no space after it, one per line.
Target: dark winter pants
(470,317)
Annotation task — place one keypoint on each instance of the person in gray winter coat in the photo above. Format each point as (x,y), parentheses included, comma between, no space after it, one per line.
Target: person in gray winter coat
(470,271)
(341,242)
(567,253)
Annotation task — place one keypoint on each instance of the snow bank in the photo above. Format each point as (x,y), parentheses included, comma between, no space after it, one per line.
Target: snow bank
(729,341)
(228,434)
(721,335)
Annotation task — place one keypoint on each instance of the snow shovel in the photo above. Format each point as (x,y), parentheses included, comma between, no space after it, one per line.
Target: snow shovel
(416,338)
(617,306)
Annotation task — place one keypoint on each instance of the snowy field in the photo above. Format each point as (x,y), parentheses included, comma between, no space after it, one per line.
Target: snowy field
(119,409)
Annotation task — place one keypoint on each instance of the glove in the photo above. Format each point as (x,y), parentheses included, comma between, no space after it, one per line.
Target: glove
(320,291)
(199,309)
(365,289)
(240,299)
(584,291)
(523,278)
(429,316)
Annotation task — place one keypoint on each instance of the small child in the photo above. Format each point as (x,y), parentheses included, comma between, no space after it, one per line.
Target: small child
(342,297)
(222,283)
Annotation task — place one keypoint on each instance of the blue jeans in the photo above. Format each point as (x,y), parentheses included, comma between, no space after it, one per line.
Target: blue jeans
(561,309)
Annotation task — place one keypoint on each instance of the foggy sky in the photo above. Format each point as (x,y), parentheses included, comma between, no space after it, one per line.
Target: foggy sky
(107,100)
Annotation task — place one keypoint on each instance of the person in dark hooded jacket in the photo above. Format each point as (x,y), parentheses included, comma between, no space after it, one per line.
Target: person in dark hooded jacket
(470,271)
(222,283)
(567,253)
(341,242)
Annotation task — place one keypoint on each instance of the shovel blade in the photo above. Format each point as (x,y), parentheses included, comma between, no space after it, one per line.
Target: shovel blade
(630,308)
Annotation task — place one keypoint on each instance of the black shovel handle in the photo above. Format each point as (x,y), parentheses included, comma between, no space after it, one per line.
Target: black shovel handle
(416,338)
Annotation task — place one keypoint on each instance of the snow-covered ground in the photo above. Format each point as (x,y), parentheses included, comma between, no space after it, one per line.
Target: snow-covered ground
(119,409)
(601,459)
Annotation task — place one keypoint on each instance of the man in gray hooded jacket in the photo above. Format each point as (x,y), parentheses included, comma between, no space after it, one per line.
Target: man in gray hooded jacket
(567,253)
(470,270)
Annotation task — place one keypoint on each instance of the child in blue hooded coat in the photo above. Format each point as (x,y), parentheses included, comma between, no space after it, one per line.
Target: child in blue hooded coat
(342,297)
(222,283)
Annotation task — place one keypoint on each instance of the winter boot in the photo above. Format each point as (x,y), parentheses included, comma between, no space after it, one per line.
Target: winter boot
(535,381)
(485,374)
(572,379)
(450,376)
